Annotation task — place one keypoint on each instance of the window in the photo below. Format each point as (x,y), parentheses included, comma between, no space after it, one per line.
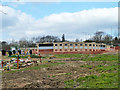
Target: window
(89,47)
(55,49)
(81,47)
(65,44)
(89,44)
(70,49)
(55,44)
(60,44)
(103,45)
(96,45)
(75,49)
(60,49)
(85,49)
(85,44)
(70,44)
(80,44)
(76,44)
(65,49)
(93,44)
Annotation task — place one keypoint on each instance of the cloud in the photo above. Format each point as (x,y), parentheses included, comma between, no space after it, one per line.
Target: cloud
(18,24)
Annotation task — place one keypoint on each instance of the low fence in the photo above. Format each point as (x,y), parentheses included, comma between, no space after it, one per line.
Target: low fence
(50,51)
(117,48)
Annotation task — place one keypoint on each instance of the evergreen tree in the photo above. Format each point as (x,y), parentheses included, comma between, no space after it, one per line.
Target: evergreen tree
(63,38)
(116,38)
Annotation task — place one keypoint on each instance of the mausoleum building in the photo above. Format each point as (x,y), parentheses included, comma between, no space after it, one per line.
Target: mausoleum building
(72,47)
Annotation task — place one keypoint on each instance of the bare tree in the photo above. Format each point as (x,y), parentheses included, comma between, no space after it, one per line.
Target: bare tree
(23,42)
(107,39)
(98,36)
(5,45)
(77,40)
(47,38)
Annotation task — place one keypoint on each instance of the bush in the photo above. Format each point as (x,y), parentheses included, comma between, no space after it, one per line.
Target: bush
(34,56)
(15,56)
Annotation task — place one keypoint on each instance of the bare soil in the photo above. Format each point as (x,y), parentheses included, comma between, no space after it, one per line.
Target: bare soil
(50,77)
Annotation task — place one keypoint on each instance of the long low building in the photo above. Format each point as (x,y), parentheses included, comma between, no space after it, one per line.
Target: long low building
(72,47)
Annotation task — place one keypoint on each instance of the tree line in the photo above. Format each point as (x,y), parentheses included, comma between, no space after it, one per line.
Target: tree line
(23,42)
(102,37)
(99,37)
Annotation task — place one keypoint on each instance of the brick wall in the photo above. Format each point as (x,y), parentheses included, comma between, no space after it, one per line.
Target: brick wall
(46,51)
(50,51)
(117,48)
(81,52)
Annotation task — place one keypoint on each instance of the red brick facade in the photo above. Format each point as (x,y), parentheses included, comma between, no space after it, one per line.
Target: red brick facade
(50,51)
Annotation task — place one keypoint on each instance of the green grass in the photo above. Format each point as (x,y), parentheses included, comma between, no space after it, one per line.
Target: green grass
(102,68)
(86,57)
(68,74)
(106,80)
(69,83)
(34,56)
(103,57)
(13,67)
(68,55)
(53,76)
(43,66)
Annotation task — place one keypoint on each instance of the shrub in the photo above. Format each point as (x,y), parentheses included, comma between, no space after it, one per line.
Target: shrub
(34,56)
(15,56)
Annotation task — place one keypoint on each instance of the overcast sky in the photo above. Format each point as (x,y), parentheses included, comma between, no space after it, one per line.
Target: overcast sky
(74,19)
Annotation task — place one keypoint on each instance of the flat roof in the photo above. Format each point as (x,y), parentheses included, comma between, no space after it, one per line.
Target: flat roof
(68,42)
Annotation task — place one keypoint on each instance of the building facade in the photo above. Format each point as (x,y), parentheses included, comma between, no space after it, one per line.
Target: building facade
(72,47)
(80,46)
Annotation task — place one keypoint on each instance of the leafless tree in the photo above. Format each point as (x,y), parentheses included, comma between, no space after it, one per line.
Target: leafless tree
(98,36)
(107,39)
(77,40)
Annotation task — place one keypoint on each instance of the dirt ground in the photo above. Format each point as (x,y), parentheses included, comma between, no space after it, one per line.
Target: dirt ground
(50,77)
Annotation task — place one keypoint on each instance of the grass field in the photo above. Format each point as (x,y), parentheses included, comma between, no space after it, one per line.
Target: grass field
(108,77)
(82,71)
(90,57)
(105,80)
